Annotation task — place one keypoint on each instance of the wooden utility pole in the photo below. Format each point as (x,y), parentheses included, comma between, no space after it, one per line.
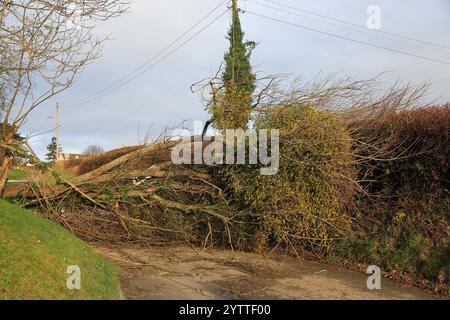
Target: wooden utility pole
(233,14)
(57,132)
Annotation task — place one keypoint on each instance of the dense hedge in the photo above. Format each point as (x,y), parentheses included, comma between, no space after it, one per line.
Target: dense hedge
(91,163)
(418,148)
(403,225)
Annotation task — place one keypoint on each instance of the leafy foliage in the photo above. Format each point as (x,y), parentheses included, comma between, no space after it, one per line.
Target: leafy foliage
(301,206)
(231,108)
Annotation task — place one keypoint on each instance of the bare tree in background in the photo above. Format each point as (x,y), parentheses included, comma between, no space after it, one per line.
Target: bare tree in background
(43,46)
(93,150)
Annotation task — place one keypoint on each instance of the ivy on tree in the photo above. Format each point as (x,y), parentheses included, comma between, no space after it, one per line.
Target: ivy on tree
(238,69)
(235,103)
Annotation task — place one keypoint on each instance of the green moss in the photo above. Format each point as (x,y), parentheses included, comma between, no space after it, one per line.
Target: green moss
(35,254)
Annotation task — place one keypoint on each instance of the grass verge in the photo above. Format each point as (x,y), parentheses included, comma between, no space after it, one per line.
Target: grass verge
(17,174)
(35,254)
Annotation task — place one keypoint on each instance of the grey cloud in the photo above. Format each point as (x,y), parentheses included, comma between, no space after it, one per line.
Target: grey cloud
(162,95)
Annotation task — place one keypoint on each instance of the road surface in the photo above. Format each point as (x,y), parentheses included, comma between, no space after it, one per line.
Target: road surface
(186,273)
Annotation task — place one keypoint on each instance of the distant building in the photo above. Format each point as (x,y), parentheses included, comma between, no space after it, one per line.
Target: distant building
(69,156)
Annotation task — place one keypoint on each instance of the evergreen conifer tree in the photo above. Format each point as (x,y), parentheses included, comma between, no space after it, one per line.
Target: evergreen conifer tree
(234,108)
(238,69)
(51,156)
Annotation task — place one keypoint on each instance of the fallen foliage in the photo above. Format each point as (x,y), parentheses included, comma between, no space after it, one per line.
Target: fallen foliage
(141,197)
(354,166)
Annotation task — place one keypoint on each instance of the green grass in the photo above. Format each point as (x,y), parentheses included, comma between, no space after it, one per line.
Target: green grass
(35,254)
(17,174)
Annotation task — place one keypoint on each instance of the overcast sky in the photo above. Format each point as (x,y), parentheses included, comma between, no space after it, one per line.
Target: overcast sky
(162,96)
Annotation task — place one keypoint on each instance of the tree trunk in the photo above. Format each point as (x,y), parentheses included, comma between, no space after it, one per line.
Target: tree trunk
(4,174)
(7,159)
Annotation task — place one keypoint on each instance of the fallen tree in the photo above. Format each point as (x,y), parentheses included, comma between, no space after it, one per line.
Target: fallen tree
(325,165)
(141,197)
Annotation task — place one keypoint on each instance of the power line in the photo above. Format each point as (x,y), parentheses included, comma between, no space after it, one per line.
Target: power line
(348,39)
(158,61)
(146,63)
(358,25)
(360,29)
(38,130)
